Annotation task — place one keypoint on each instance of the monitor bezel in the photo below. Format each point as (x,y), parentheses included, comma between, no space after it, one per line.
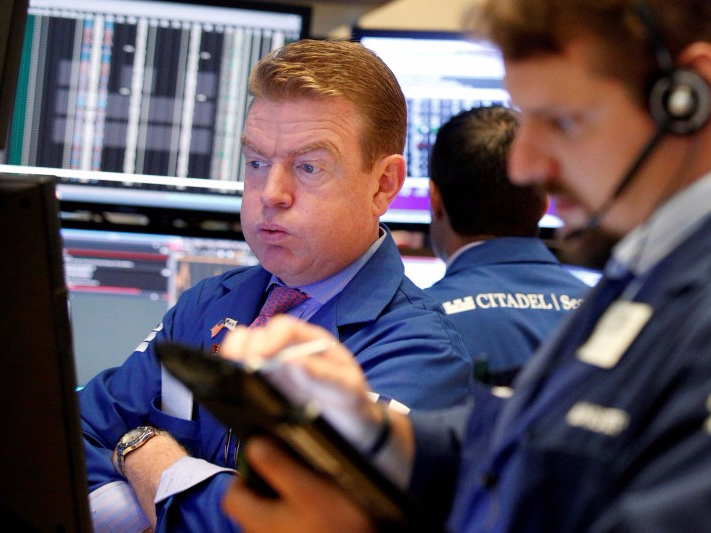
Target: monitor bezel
(42,489)
(151,203)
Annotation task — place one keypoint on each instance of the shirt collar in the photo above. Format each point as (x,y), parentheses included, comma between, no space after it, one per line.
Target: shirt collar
(669,226)
(452,258)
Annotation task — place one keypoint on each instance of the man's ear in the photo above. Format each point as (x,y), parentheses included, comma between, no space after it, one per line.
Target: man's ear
(685,102)
(436,203)
(546,206)
(697,57)
(391,177)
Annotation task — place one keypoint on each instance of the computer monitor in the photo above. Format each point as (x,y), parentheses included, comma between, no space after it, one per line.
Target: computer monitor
(441,74)
(138,105)
(423,270)
(13,14)
(589,276)
(121,284)
(43,485)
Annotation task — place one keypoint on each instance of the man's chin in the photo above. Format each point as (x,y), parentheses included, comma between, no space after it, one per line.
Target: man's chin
(589,248)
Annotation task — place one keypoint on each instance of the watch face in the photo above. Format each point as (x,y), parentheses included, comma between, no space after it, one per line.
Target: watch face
(132,435)
(131,441)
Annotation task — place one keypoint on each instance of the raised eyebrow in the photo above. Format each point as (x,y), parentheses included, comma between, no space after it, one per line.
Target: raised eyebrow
(247,144)
(296,153)
(313,148)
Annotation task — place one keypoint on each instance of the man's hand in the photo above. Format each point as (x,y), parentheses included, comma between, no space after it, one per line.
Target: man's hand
(334,380)
(306,502)
(336,365)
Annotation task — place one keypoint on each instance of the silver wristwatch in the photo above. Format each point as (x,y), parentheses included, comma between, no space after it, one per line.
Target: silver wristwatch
(131,441)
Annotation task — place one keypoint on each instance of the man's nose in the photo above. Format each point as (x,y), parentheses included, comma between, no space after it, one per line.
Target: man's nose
(278,187)
(530,161)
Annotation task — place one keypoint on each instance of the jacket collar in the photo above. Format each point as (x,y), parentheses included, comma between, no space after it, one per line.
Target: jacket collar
(362,300)
(503,250)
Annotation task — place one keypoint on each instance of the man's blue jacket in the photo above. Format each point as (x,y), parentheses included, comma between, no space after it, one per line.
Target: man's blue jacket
(409,350)
(505,296)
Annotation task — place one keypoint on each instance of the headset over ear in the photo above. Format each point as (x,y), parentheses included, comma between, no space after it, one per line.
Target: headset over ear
(679,99)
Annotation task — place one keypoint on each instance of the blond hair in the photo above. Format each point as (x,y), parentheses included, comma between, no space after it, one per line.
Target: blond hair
(339,69)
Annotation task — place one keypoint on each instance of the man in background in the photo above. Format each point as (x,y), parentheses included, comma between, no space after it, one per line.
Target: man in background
(503,289)
(322,143)
(609,428)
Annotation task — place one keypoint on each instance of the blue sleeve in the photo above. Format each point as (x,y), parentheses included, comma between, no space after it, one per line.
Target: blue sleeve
(198,509)
(128,396)
(445,440)
(113,402)
(414,355)
(438,440)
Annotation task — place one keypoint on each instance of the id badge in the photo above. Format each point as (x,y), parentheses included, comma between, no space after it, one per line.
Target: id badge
(614,333)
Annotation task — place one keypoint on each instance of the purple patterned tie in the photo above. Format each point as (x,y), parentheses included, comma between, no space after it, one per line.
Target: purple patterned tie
(280,300)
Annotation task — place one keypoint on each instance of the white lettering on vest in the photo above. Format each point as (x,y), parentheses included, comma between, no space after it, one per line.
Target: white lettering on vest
(596,418)
(569,303)
(506,300)
(459,305)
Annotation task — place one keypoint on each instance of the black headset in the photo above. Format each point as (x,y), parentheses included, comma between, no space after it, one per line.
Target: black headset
(679,99)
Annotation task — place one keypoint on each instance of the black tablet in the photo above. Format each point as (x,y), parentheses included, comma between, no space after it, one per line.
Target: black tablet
(242,398)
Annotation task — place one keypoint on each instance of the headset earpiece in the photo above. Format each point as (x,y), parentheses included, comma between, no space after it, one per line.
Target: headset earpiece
(680,99)
(680,102)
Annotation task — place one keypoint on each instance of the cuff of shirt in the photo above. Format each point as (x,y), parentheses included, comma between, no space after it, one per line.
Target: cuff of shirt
(114,507)
(184,474)
(389,455)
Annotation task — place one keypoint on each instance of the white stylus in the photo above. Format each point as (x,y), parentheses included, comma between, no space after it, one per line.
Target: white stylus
(304,349)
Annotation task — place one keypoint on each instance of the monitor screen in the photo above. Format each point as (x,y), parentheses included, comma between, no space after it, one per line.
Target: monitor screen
(589,276)
(121,284)
(423,270)
(141,103)
(441,74)
(43,484)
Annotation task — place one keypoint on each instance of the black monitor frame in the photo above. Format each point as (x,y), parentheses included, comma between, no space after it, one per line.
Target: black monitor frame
(13,14)
(43,484)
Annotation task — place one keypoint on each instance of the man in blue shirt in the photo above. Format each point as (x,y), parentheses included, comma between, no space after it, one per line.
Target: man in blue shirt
(322,144)
(609,427)
(503,289)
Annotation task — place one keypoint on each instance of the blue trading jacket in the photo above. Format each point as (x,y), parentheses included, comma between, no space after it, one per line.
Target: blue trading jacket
(505,296)
(408,349)
(580,447)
